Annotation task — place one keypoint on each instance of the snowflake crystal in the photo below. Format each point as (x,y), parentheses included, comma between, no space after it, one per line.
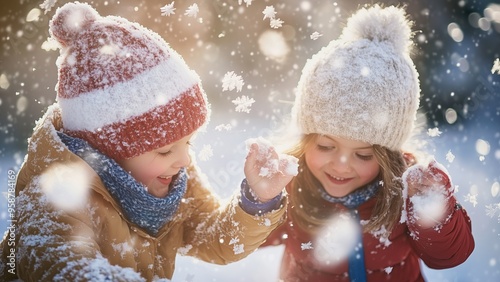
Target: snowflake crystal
(315,35)
(306,246)
(243,103)
(434,132)
(192,11)
(496,66)
(232,81)
(269,12)
(276,23)
(168,9)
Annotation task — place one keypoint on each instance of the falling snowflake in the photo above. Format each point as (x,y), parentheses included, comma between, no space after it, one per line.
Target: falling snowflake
(206,153)
(47,5)
(248,2)
(450,157)
(492,210)
(471,198)
(433,132)
(496,66)
(243,103)
(306,246)
(269,12)
(192,11)
(388,270)
(232,81)
(168,9)
(221,127)
(315,35)
(276,23)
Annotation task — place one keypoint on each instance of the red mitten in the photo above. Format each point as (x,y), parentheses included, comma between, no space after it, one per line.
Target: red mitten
(419,179)
(428,191)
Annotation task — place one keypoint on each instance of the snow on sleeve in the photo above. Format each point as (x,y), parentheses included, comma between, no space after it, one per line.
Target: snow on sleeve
(168,9)
(97,269)
(271,165)
(237,248)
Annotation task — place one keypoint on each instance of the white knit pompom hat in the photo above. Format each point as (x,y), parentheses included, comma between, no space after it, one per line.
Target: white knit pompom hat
(363,86)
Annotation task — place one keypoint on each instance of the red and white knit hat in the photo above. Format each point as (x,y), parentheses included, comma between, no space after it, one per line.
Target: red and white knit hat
(121,87)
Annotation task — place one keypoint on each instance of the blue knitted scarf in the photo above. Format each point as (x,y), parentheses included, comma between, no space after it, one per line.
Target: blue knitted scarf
(141,208)
(357,269)
(355,199)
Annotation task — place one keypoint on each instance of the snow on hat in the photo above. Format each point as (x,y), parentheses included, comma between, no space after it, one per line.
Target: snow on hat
(363,86)
(120,86)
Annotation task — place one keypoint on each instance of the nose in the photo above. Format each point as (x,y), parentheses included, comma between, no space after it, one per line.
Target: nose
(341,163)
(183,158)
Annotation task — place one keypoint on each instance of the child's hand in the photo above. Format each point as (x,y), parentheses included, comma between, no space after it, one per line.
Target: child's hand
(428,191)
(266,171)
(420,179)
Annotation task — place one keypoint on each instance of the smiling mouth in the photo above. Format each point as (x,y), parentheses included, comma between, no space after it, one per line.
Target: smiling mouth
(338,180)
(165,179)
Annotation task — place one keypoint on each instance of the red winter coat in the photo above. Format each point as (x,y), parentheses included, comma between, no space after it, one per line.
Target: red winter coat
(447,247)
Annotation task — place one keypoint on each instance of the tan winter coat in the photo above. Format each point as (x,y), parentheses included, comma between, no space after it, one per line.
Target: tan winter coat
(95,242)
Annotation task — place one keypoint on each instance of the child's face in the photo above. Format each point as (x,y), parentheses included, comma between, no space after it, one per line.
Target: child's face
(156,168)
(341,165)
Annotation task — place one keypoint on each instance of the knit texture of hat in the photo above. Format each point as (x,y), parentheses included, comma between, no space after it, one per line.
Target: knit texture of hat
(363,86)
(120,85)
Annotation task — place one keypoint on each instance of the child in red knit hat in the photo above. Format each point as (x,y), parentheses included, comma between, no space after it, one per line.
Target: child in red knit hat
(107,191)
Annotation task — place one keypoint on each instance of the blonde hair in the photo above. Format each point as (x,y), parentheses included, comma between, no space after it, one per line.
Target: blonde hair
(310,211)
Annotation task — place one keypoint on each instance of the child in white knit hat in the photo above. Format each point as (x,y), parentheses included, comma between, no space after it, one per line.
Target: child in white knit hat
(107,191)
(360,209)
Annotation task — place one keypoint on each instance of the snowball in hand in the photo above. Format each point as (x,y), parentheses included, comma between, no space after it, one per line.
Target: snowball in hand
(432,188)
(272,165)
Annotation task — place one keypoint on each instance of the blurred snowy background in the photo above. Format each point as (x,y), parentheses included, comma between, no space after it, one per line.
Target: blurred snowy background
(250,63)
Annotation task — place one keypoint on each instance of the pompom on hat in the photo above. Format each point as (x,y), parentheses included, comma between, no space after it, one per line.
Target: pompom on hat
(120,85)
(363,86)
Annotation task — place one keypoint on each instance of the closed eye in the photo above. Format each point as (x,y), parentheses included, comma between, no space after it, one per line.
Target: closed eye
(365,157)
(325,148)
(164,154)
